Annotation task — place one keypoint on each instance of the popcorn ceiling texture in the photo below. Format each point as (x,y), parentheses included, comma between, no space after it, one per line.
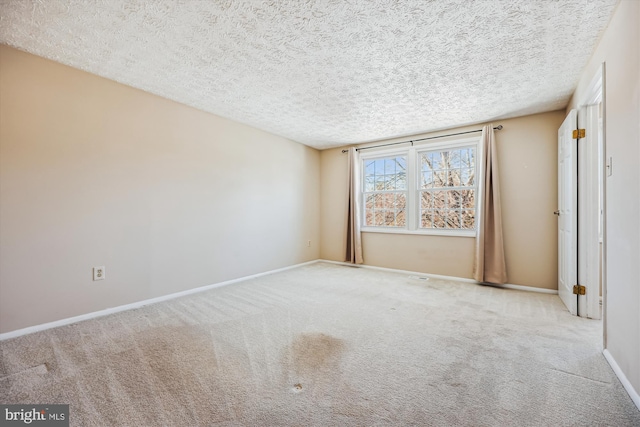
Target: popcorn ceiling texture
(321,72)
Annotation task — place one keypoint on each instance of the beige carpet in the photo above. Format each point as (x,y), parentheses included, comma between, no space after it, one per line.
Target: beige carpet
(326,345)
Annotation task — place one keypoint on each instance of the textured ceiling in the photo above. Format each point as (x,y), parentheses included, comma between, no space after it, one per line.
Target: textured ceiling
(326,72)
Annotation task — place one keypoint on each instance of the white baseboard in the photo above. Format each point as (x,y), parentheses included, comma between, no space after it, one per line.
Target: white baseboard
(138,304)
(395,270)
(441,277)
(633,394)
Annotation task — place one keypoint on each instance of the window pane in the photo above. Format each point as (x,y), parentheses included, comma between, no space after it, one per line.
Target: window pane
(468,157)
(401,220)
(401,201)
(388,200)
(379,201)
(468,220)
(378,218)
(439,199)
(468,199)
(426,220)
(389,218)
(390,166)
(425,162)
(379,167)
(439,219)
(453,219)
(446,182)
(387,181)
(393,183)
(426,200)
(464,156)
(454,178)
(369,168)
(467,177)
(453,199)
(368,204)
(454,159)
(435,160)
(401,182)
(368,217)
(369,183)
(439,178)
(426,180)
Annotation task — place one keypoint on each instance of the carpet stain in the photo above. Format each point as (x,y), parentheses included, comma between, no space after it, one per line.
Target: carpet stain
(316,351)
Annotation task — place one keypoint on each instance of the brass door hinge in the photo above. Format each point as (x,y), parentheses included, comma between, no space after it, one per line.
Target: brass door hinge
(579,290)
(579,133)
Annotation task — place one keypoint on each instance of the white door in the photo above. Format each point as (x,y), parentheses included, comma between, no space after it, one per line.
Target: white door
(589,212)
(567,212)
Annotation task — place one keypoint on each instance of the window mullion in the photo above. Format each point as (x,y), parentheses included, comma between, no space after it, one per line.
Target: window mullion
(412,190)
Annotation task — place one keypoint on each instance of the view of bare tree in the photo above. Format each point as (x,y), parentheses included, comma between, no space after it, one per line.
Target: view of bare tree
(446,189)
(385,187)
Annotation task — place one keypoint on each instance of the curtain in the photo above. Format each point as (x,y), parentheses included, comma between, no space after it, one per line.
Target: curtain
(354,239)
(489,265)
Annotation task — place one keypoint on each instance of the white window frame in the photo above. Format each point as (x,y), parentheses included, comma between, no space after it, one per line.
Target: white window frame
(413,192)
(363,195)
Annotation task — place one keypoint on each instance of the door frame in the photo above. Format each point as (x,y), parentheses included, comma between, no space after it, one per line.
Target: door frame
(594,94)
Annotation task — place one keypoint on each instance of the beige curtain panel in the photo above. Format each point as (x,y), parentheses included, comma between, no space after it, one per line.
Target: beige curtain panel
(489,265)
(354,239)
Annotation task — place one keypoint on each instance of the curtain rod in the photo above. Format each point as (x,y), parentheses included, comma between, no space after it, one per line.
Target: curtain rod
(499,127)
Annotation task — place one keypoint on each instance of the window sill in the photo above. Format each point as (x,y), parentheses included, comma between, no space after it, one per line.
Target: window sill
(449,233)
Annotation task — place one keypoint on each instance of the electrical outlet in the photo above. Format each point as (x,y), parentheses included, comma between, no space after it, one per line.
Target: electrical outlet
(99,273)
(308,243)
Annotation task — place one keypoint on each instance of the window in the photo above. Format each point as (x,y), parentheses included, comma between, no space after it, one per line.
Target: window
(385,192)
(429,189)
(447,189)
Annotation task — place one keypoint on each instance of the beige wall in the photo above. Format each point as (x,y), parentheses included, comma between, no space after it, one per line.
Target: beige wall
(333,204)
(167,197)
(619,48)
(527,149)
